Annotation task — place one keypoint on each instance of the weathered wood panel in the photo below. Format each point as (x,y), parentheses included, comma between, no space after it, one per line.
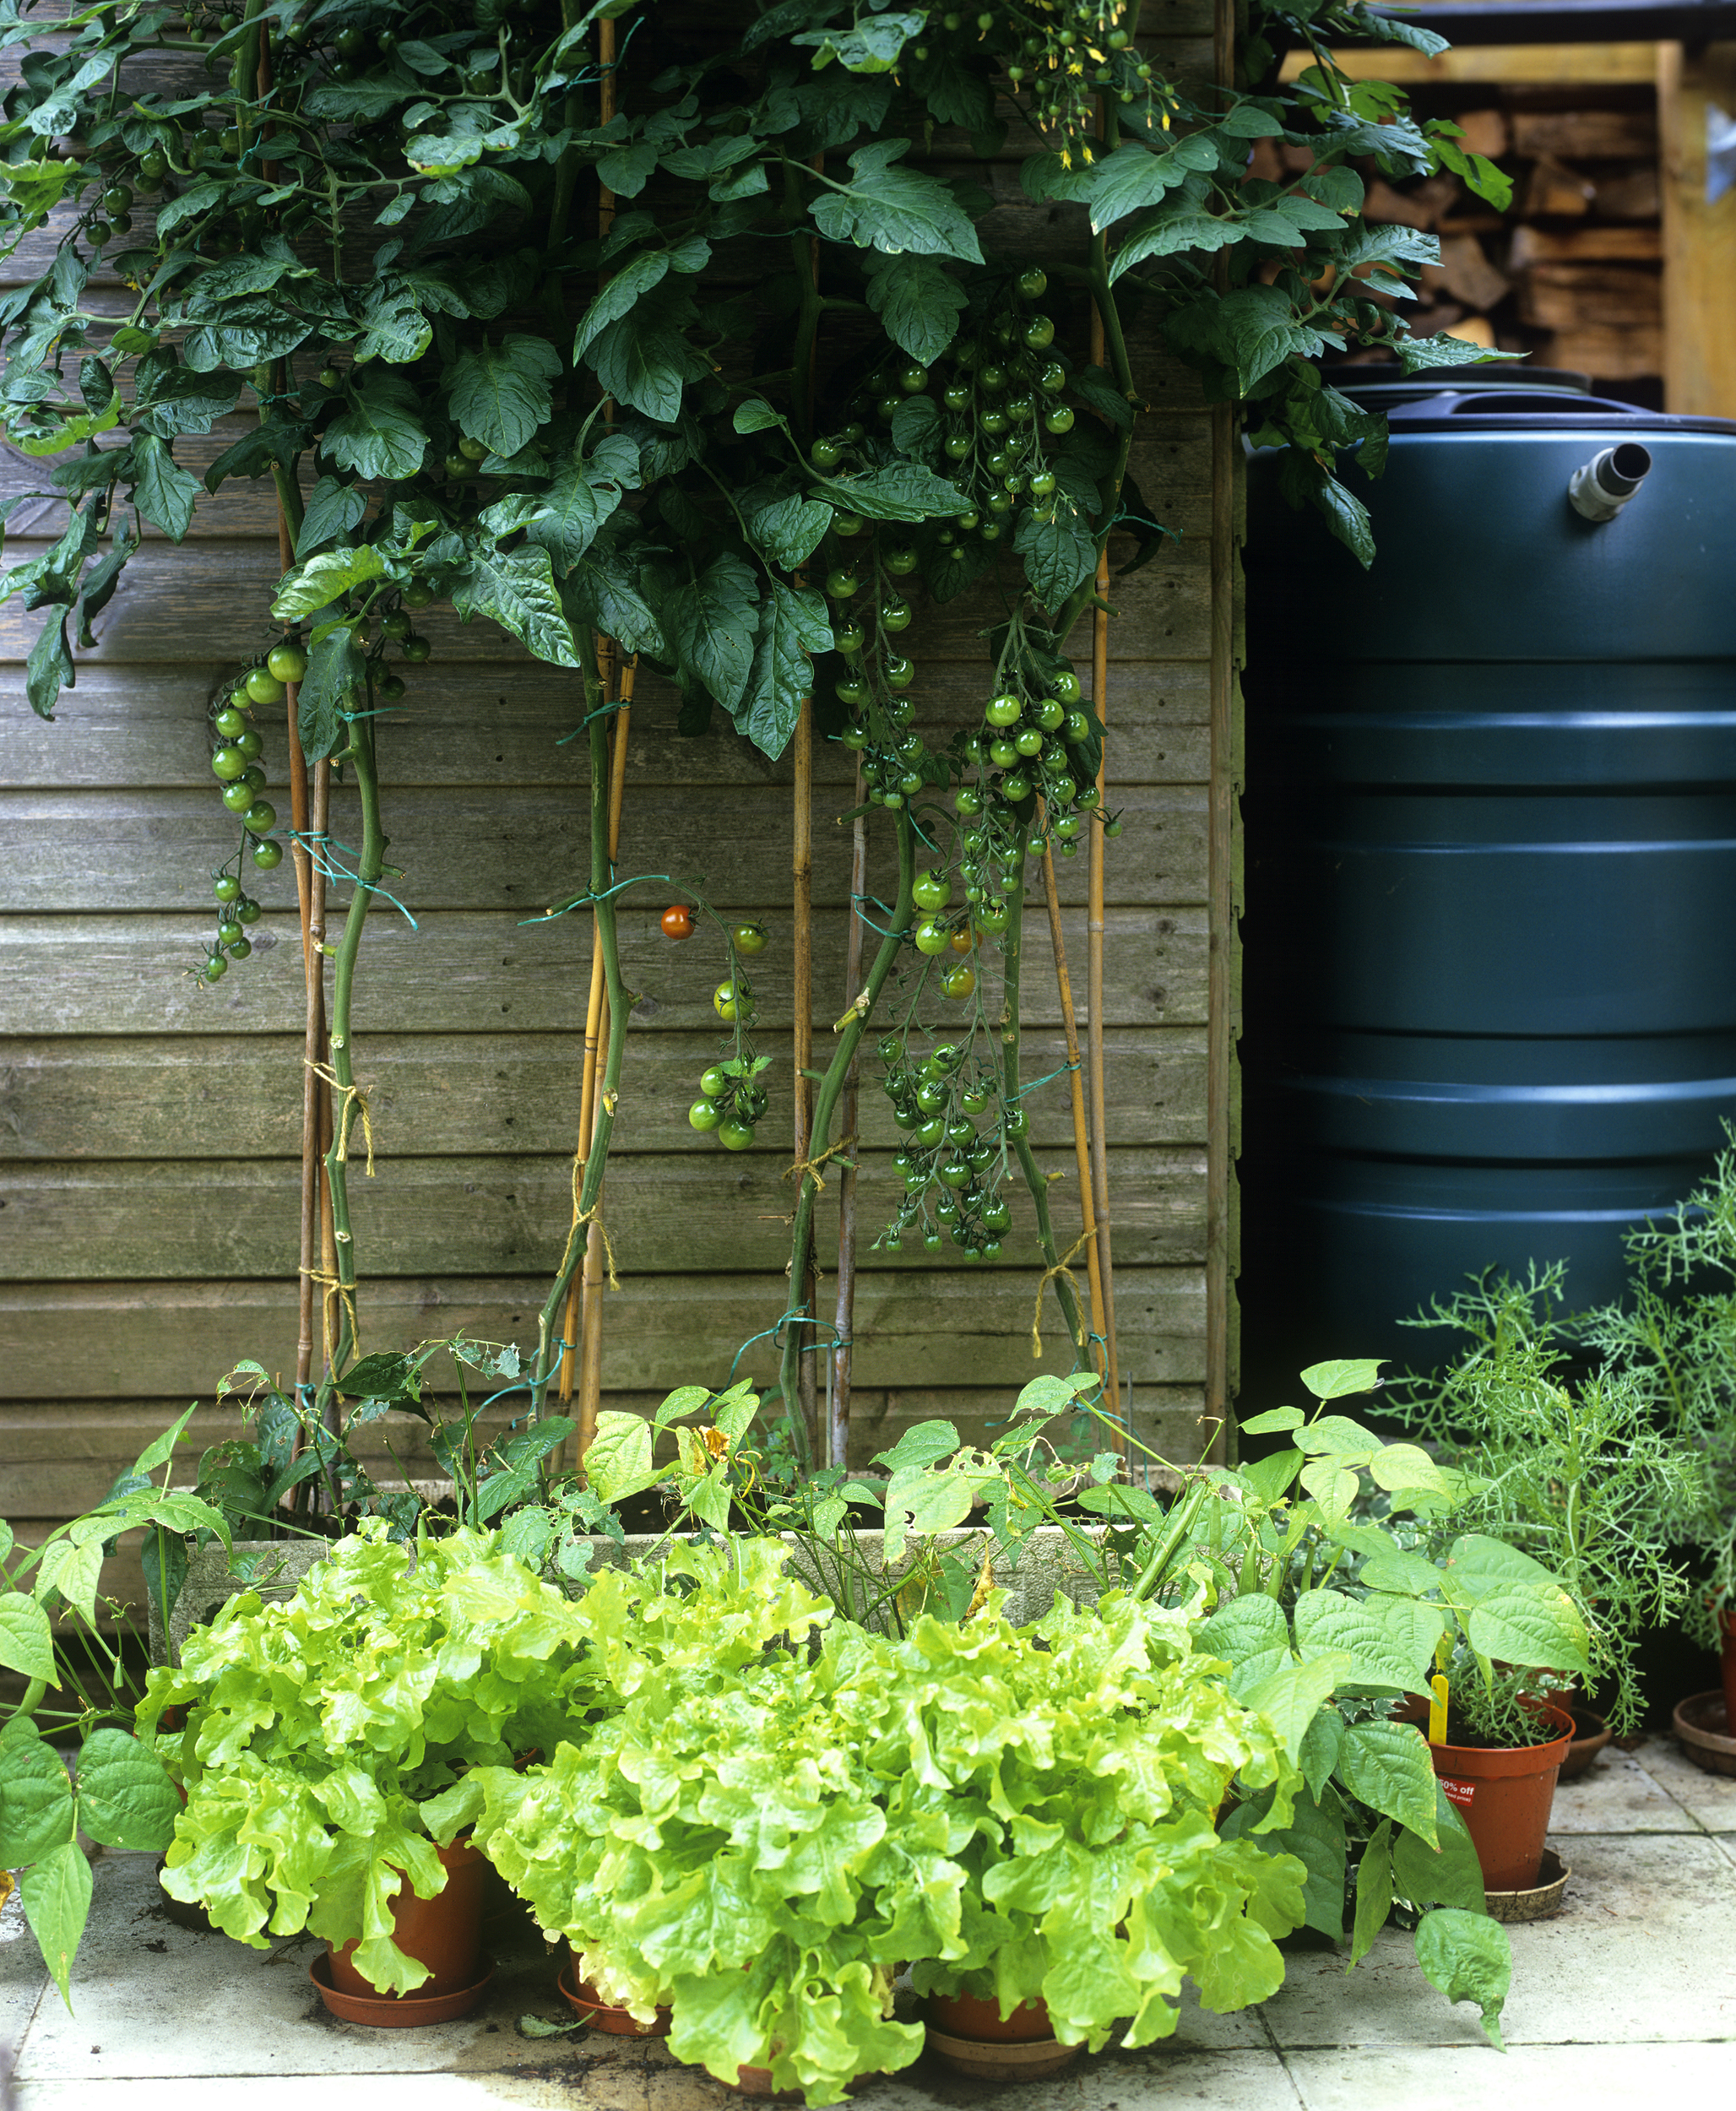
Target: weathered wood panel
(488,727)
(208,603)
(945,1329)
(448,1093)
(684,1212)
(459,849)
(466,972)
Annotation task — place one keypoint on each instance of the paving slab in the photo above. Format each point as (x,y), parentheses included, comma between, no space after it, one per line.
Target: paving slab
(1641,1954)
(1710,1800)
(23,1979)
(1586,2078)
(1617,1795)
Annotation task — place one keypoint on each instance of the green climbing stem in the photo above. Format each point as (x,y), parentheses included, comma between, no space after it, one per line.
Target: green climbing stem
(548,1334)
(825,1105)
(1012,1039)
(359,755)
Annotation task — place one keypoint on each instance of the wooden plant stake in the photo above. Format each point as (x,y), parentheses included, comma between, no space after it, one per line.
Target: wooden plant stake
(1082,1137)
(837,1432)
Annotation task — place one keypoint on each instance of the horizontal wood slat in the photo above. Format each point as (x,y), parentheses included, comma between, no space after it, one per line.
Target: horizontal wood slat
(489,726)
(102,1341)
(682,1213)
(469,973)
(439,1095)
(463,849)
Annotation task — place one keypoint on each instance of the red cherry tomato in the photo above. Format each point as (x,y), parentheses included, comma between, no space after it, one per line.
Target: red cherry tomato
(678,922)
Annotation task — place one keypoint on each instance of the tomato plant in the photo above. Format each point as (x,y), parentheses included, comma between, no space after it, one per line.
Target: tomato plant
(437,441)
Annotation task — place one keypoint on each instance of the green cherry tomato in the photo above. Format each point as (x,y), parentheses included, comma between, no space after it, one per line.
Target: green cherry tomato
(263,687)
(895,614)
(749,938)
(913,379)
(1051,714)
(215,967)
(248,910)
(969,801)
(991,918)
(1004,710)
(268,855)
(229,722)
(1027,741)
(1038,333)
(842,585)
(261,817)
(228,763)
(899,673)
(253,778)
(854,737)
(827,453)
(1067,686)
(851,691)
(932,890)
(392,688)
(238,796)
(955,1172)
(1022,408)
(930,937)
(931,1096)
(1015,787)
(931,1133)
(226,887)
(230,933)
(704,1114)
(846,525)
(1067,827)
(1002,754)
(1077,727)
(900,560)
(1034,283)
(729,997)
(992,379)
(1015,1122)
(416,650)
(418,593)
(994,423)
(1043,483)
(957,447)
(1059,419)
(1053,378)
(714,1083)
(249,742)
(849,637)
(734,1134)
(287,663)
(956,397)
(958,982)
(1088,796)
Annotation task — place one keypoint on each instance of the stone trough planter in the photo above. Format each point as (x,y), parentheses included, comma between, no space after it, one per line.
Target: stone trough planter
(1031,1574)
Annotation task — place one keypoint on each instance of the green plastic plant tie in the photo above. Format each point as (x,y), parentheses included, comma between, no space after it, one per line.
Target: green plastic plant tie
(1047,1080)
(879,930)
(807,1319)
(315,847)
(589,896)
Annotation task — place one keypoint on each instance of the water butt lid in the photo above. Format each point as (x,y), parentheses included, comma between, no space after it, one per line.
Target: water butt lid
(1382,384)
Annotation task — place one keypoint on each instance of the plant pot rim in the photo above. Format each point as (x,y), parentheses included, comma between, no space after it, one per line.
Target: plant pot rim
(1538,1901)
(398,2011)
(1713,1750)
(591,2010)
(1003,2060)
(1492,1762)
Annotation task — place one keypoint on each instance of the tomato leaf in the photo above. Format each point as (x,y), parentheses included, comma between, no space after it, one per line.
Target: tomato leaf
(502,397)
(713,625)
(793,627)
(519,591)
(380,434)
(895,209)
(918,301)
(643,358)
(311,586)
(332,508)
(166,493)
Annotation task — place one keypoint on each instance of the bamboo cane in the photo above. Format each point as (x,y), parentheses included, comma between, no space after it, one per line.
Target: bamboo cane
(804,1288)
(1082,1137)
(837,1433)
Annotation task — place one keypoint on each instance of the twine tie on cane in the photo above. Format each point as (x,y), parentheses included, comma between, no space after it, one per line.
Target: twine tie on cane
(1060,1268)
(811,1166)
(593,1215)
(354,1102)
(333,1287)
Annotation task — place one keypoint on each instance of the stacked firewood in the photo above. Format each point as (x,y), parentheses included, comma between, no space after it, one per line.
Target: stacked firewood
(1569,272)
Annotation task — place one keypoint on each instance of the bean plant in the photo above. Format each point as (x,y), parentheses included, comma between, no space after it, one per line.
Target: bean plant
(790,384)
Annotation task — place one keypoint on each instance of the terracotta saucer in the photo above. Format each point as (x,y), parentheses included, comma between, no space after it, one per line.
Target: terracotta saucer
(1008,2059)
(1703,1724)
(1543,1899)
(398,2011)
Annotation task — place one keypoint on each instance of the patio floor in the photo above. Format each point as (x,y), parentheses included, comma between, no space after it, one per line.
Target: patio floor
(1628,1997)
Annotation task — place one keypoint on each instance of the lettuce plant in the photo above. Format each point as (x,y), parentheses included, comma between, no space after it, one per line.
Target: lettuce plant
(761,1838)
(317,1731)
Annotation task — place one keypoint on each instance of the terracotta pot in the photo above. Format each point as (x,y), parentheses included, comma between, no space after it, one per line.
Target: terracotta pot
(1505,1797)
(1702,1722)
(1727,1623)
(1591,1733)
(963,2016)
(444,1933)
(396,2011)
(603,2016)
